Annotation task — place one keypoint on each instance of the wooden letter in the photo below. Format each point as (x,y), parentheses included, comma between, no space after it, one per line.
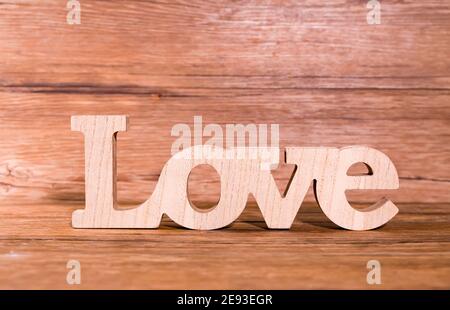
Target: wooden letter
(312,163)
(100,168)
(330,191)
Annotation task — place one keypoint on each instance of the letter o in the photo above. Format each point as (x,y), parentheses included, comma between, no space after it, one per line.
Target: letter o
(234,188)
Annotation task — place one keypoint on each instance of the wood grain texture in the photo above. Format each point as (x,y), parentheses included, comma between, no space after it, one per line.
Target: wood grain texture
(317,69)
(313,254)
(320,71)
(42,159)
(267,43)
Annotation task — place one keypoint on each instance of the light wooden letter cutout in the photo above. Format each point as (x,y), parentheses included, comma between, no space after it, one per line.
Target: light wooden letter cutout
(240,173)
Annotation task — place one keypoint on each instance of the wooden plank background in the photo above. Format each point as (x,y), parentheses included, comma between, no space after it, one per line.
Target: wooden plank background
(320,71)
(317,69)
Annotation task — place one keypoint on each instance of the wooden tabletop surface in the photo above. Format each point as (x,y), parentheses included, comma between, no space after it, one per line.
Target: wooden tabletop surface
(37,241)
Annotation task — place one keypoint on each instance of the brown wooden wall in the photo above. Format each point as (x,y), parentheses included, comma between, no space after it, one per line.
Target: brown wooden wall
(315,67)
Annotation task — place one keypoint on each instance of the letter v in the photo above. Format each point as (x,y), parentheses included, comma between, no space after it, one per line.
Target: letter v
(312,163)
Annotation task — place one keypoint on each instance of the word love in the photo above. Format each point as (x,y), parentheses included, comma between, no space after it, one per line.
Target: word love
(239,176)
